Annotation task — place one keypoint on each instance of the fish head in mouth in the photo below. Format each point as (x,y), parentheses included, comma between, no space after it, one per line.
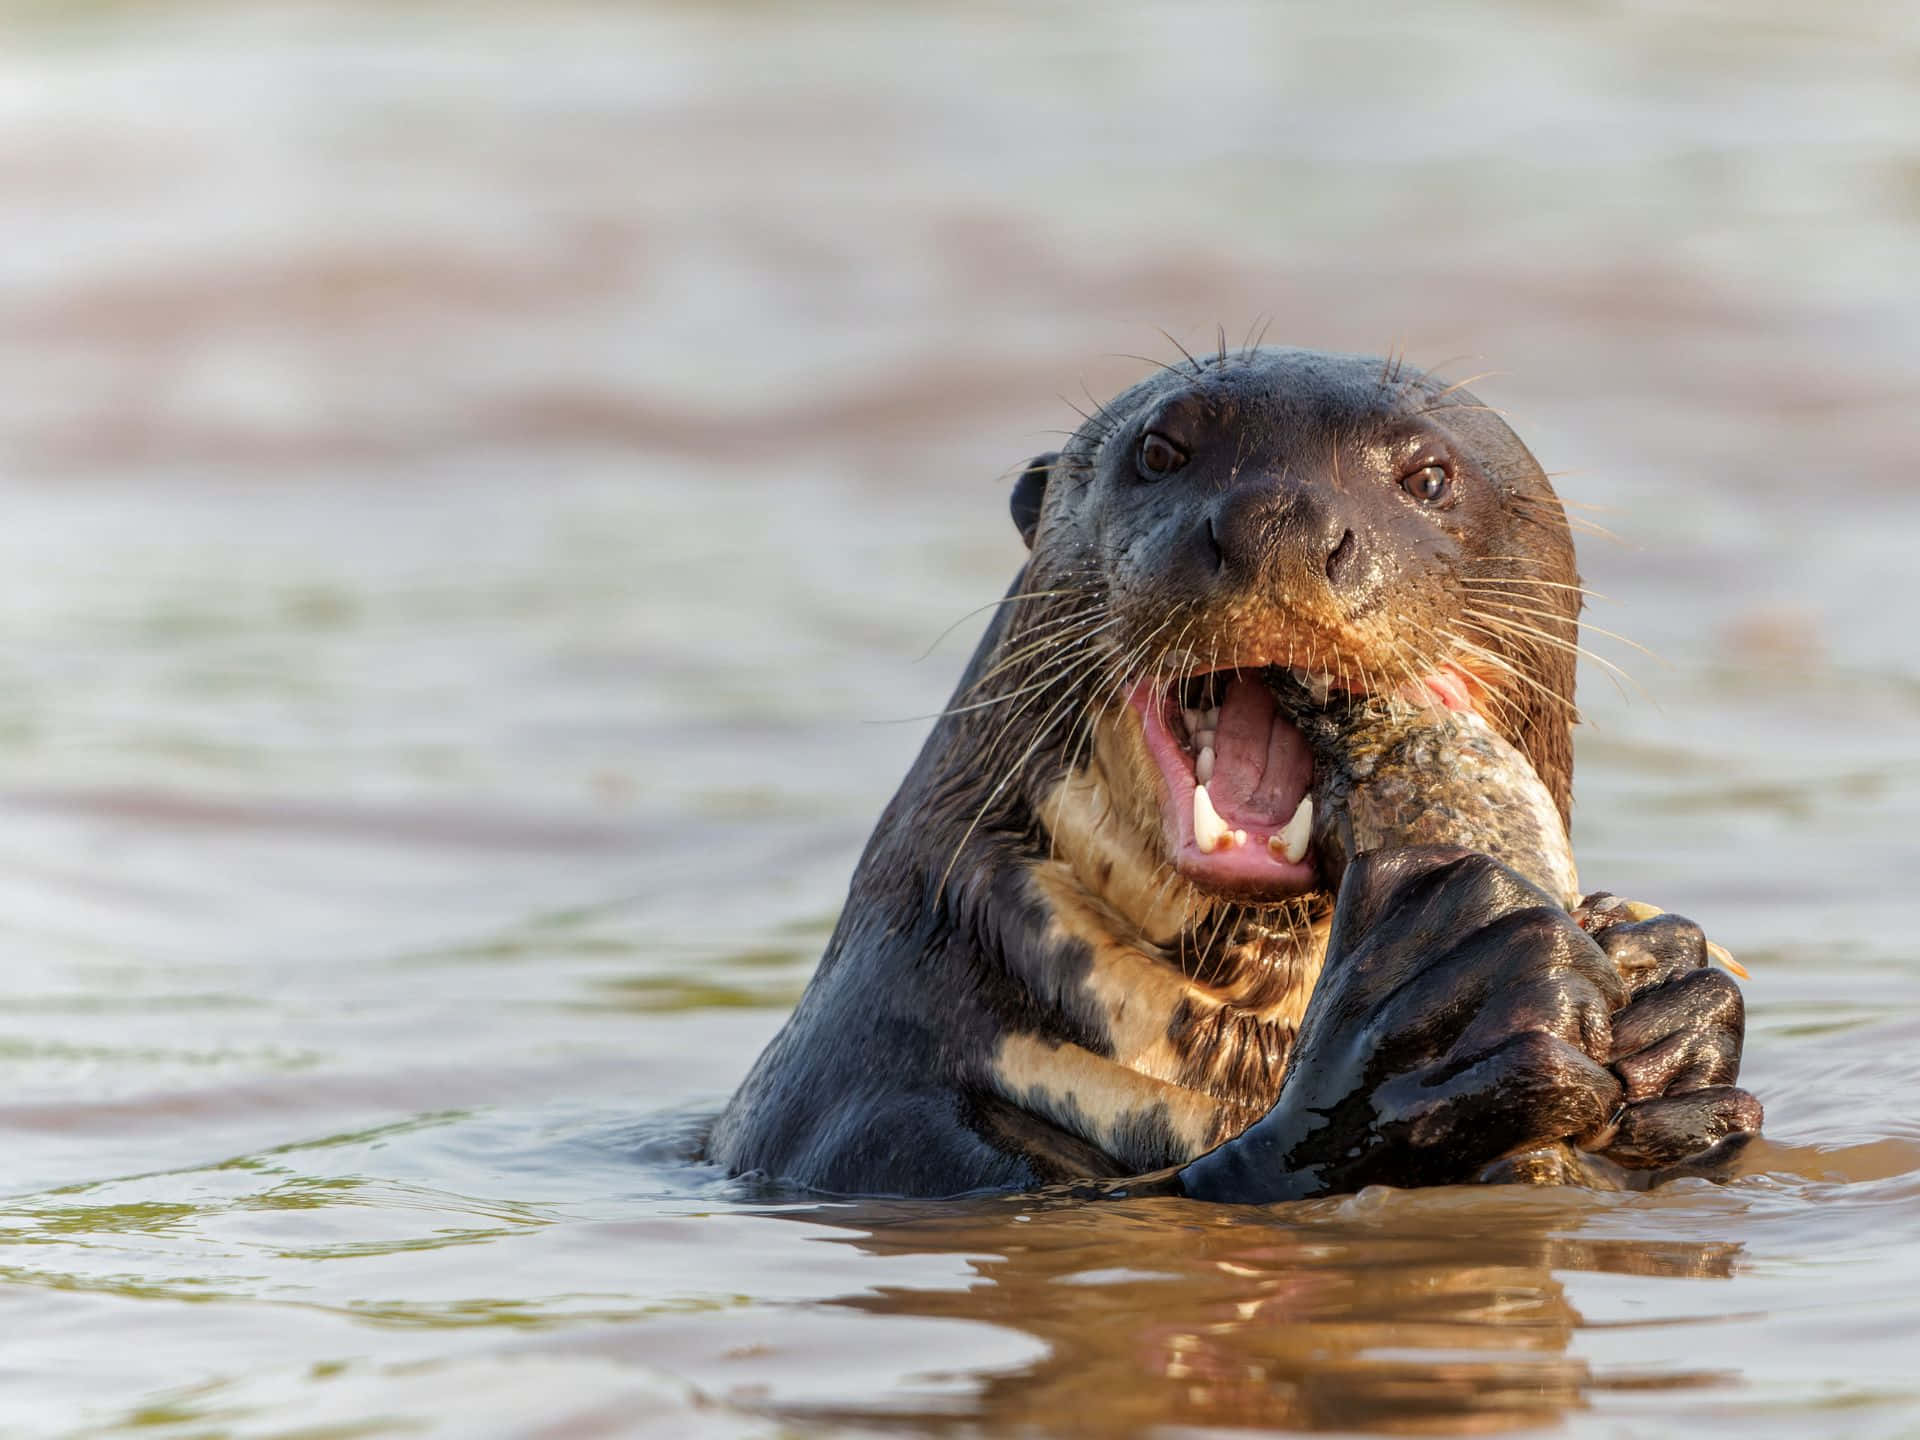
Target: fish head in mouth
(1361,525)
(1234,777)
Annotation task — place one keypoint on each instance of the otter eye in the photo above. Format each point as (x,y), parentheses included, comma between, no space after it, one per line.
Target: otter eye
(1159,455)
(1430,484)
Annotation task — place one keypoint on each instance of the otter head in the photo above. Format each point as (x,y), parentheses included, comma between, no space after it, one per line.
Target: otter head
(1362,524)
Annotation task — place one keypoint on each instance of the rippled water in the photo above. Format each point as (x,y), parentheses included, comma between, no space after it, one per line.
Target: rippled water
(476,487)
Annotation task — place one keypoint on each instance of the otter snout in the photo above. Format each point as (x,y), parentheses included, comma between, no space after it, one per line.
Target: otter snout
(1289,539)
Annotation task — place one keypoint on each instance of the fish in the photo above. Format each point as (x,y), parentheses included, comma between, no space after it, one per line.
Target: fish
(1389,772)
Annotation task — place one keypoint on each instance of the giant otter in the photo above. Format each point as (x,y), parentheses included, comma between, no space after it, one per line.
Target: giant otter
(1087,938)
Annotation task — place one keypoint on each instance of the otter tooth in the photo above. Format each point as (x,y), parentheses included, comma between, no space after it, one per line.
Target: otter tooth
(1292,839)
(1239,838)
(1209,830)
(1203,765)
(1203,739)
(1212,718)
(1194,721)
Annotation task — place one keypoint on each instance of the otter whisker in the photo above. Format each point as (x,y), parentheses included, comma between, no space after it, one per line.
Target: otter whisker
(1528,582)
(1387,362)
(1198,369)
(1047,634)
(1060,650)
(1110,421)
(1459,385)
(1031,632)
(1076,410)
(1114,691)
(1041,673)
(1456,405)
(991,755)
(1519,560)
(1041,730)
(1001,699)
(1170,877)
(1096,707)
(1532,510)
(1586,505)
(1585,625)
(1164,664)
(1432,372)
(1411,676)
(1506,709)
(1223,923)
(1149,360)
(1056,652)
(1056,672)
(1523,628)
(1186,929)
(1581,526)
(1613,672)
(1500,662)
(990,605)
(1397,654)
(1096,431)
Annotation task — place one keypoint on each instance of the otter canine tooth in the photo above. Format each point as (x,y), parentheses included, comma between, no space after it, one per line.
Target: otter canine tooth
(1292,839)
(1209,830)
(1203,765)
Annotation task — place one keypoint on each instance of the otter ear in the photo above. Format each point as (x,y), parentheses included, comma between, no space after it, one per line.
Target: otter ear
(1028,491)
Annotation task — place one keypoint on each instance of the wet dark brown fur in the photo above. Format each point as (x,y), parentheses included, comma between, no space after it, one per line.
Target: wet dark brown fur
(1021,988)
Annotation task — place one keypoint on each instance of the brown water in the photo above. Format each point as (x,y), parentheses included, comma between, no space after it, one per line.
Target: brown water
(477,482)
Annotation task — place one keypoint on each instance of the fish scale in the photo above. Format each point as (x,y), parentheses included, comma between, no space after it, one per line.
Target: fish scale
(1388,773)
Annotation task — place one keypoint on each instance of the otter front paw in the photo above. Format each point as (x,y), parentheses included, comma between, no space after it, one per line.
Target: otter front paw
(1461,1016)
(1677,1040)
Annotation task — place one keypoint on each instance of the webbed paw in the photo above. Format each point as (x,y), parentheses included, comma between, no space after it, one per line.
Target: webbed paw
(1462,1016)
(1677,1040)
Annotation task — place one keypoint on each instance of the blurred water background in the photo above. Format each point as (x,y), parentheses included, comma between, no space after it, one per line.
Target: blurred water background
(476,479)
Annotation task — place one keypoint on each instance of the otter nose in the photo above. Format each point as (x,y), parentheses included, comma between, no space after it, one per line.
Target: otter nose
(1284,533)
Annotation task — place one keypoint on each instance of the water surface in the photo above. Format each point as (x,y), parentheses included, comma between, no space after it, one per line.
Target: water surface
(478,490)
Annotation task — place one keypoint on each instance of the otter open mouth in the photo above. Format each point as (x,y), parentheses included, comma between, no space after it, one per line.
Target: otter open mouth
(1237,776)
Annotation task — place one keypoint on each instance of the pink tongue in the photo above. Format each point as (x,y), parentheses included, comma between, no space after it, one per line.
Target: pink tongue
(1261,765)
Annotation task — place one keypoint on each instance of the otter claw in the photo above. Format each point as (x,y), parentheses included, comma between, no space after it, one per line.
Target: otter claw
(1725,957)
(1616,910)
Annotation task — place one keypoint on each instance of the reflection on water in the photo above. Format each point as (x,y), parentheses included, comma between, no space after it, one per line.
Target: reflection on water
(476,487)
(1380,1313)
